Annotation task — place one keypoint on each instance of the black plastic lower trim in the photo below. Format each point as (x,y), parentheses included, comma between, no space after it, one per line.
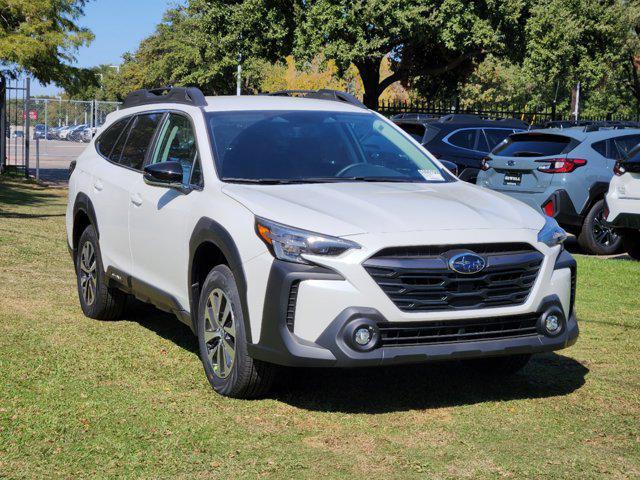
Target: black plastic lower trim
(277,344)
(146,293)
(564,211)
(627,220)
(332,348)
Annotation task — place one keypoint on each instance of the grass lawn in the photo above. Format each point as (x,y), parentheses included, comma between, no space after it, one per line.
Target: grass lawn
(82,398)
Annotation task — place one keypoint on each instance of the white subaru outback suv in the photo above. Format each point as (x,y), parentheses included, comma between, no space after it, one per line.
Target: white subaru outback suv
(309,232)
(623,201)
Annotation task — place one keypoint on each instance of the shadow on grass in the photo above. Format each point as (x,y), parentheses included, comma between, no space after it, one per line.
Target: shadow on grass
(29,195)
(392,389)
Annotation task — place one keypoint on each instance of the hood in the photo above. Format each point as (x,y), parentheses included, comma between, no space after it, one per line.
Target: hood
(342,209)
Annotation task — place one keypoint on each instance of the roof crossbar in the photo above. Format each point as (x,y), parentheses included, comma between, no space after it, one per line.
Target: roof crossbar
(322,94)
(183,95)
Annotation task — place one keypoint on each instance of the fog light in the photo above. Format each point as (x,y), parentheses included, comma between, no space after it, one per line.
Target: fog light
(362,336)
(552,324)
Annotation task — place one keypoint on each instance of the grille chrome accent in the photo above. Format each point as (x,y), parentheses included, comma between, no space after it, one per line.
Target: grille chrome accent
(468,330)
(418,283)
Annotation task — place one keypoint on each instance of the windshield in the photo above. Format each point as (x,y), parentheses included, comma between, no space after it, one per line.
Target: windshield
(315,146)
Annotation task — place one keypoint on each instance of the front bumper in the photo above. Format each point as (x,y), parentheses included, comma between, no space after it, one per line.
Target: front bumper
(329,343)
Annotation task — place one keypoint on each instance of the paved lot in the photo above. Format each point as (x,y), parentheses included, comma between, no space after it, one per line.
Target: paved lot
(55,157)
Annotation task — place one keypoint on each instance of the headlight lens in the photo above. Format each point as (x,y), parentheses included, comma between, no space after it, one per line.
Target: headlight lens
(552,234)
(289,244)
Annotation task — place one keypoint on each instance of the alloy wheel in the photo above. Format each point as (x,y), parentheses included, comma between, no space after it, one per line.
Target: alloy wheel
(220,333)
(603,234)
(88,273)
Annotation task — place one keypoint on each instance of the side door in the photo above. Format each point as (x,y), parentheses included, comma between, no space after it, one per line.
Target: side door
(158,215)
(110,185)
(115,183)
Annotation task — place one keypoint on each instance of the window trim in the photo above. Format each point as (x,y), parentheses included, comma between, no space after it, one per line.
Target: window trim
(154,139)
(446,140)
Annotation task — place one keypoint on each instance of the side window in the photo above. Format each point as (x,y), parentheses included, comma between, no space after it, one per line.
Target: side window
(135,149)
(108,139)
(495,136)
(464,138)
(177,143)
(600,147)
(623,145)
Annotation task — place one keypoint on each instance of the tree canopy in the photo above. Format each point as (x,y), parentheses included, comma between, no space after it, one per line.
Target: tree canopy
(40,37)
(481,51)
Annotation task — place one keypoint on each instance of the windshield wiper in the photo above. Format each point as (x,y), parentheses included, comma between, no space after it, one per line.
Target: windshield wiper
(263,181)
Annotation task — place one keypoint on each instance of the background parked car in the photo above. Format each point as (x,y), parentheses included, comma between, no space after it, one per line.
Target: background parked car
(38,131)
(75,134)
(462,139)
(623,202)
(565,172)
(87,134)
(64,132)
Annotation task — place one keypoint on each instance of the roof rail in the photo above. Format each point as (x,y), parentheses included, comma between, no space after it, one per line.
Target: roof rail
(184,95)
(322,94)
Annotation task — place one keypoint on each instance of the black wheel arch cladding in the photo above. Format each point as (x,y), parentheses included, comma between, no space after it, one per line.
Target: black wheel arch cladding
(82,206)
(210,231)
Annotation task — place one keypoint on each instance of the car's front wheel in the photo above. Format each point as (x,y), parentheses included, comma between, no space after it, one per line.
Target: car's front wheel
(222,340)
(97,299)
(596,236)
(631,243)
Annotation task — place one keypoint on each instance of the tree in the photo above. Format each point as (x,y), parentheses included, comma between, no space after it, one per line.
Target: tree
(421,38)
(578,41)
(40,37)
(200,44)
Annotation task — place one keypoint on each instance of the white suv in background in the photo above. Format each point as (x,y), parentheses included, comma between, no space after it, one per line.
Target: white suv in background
(623,201)
(309,232)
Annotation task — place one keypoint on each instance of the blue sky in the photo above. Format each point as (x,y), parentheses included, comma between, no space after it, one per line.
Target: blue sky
(118,26)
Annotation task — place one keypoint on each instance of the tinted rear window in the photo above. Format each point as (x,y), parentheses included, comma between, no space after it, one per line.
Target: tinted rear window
(623,145)
(414,129)
(142,131)
(535,145)
(634,155)
(109,138)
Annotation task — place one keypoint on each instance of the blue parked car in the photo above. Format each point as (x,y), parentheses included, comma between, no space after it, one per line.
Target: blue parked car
(566,173)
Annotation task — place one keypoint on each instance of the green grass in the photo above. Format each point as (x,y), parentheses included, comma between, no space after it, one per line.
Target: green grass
(81,398)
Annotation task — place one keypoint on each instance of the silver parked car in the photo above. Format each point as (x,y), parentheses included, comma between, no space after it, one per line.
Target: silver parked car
(566,173)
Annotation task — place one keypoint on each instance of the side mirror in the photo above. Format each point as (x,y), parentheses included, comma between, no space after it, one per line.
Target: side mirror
(165,174)
(452,167)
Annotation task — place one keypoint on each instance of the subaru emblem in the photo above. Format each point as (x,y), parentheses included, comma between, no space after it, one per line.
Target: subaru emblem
(467,263)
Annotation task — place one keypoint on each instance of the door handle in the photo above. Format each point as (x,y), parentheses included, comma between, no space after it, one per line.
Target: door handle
(136,199)
(98,185)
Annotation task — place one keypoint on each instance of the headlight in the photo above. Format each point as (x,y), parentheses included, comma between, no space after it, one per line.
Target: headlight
(289,244)
(551,234)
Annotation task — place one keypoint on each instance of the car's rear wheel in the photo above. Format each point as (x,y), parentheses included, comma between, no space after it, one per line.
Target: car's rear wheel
(222,340)
(507,365)
(96,298)
(631,243)
(596,236)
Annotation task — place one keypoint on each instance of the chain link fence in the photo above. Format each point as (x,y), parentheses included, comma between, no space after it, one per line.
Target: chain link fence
(42,136)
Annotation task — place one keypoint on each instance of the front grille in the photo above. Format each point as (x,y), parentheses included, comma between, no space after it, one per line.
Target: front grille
(291,305)
(425,333)
(418,279)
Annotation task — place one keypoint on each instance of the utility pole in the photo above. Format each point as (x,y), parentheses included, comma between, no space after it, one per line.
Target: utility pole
(27,125)
(239,76)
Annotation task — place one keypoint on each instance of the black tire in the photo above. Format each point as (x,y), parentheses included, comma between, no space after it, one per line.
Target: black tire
(631,244)
(507,365)
(596,236)
(103,303)
(222,340)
